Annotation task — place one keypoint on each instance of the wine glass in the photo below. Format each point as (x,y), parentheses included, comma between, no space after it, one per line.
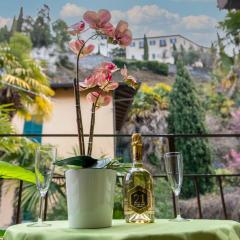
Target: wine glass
(174,169)
(45,157)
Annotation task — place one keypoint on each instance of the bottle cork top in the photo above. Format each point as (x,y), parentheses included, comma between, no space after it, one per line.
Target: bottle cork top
(137,147)
(136,139)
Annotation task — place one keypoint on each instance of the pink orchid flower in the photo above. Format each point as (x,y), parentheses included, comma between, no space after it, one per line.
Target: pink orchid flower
(76,28)
(76,46)
(109,66)
(109,30)
(122,35)
(130,80)
(98,20)
(99,99)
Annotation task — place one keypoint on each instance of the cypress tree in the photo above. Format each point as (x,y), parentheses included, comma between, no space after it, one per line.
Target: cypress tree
(4,34)
(14,26)
(20,21)
(145,46)
(186,116)
(175,53)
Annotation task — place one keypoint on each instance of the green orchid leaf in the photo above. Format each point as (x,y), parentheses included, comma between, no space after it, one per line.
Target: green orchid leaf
(10,171)
(2,231)
(79,161)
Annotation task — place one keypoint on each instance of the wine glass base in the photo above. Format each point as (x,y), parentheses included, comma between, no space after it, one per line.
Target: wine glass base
(36,224)
(179,219)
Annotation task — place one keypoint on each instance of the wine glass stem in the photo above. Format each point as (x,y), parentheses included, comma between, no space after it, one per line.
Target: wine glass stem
(177,206)
(40,216)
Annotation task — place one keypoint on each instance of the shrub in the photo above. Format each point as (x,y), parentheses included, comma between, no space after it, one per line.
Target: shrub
(154,66)
(212,206)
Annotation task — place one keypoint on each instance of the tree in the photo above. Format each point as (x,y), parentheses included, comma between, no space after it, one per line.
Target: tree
(118,53)
(61,35)
(175,53)
(14,26)
(186,116)
(4,34)
(22,83)
(145,46)
(41,33)
(20,21)
(231,26)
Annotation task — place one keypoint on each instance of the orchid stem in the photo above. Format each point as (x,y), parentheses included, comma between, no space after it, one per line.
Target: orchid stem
(78,101)
(92,123)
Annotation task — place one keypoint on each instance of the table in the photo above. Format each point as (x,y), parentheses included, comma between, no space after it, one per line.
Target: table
(160,230)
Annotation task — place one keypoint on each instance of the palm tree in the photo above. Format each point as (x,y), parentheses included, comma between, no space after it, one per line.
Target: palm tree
(22,81)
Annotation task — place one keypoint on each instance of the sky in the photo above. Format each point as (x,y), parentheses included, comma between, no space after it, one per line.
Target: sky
(195,19)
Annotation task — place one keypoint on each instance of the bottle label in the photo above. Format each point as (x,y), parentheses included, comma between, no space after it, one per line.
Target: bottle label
(139,199)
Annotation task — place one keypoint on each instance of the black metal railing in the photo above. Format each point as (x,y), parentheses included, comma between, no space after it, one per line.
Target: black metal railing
(171,140)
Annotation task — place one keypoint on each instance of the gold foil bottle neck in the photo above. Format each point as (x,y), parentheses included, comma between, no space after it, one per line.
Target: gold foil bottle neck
(137,147)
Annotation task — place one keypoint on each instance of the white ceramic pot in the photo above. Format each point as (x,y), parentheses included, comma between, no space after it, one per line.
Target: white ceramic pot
(90,197)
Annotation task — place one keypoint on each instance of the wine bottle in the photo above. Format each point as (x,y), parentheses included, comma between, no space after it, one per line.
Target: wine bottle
(138,188)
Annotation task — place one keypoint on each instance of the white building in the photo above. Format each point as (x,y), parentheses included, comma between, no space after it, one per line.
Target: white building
(160,48)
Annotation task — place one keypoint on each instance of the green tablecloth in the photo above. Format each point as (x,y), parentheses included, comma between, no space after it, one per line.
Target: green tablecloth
(160,230)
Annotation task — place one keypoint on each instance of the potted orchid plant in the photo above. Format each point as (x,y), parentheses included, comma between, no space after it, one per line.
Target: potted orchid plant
(90,182)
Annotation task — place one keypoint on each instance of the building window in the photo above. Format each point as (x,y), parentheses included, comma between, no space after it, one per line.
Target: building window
(153,56)
(31,127)
(173,40)
(152,42)
(141,44)
(162,43)
(133,44)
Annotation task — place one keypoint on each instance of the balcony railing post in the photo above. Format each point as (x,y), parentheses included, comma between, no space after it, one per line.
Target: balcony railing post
(171,142)
(18,217)
(222,196)
(196,184)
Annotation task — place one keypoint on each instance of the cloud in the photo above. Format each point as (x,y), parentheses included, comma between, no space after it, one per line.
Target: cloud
(70,10)
(154,20)
(201,22)
(4,21)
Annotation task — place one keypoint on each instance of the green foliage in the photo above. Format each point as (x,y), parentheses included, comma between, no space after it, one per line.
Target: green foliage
(118,52)
(21,76)
(2,231)
(41,32)
(145,49)
(187,117)
(20,45)
(20,21)
(231,26)
(64,62)
(4,34)
(163,199)
(154,66)
(61,35)
(10,171)
(14,26)
(175,53)
(190,57)
(148,97)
